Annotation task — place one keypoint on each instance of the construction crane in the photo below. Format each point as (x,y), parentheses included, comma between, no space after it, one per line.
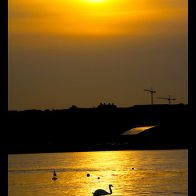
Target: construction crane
(151,92)
(168,98)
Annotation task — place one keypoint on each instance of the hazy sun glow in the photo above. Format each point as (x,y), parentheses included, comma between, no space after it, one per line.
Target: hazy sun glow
(91,17)
(95,1)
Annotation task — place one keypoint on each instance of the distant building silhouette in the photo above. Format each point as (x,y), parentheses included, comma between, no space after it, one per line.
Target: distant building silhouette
(106,105)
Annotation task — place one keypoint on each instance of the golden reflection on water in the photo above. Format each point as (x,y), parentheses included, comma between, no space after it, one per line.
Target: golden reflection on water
(130,173)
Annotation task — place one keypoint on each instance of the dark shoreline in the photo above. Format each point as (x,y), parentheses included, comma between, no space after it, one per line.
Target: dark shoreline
(98,129)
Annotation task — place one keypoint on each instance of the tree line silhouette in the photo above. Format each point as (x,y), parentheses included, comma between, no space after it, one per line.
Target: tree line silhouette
(98,128)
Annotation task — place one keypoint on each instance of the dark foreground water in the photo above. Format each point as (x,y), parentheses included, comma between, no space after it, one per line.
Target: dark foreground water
(132,173)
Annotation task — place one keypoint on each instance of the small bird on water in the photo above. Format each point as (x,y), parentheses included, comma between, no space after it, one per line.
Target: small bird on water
(100,192)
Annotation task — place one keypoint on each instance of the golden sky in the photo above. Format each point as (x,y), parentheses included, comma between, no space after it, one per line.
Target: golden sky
(95,17)
(83,52)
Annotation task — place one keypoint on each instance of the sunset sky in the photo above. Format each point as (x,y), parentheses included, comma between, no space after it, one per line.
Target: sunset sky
(83,52)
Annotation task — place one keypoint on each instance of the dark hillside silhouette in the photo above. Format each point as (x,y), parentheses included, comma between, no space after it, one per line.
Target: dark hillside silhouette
(100,128)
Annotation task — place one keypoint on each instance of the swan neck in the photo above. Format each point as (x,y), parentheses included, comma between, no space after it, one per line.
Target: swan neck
(110,190)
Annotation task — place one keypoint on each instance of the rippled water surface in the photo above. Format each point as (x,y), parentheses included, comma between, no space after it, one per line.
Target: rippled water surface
(156,172)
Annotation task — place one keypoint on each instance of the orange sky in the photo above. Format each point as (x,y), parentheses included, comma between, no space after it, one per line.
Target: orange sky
(68,36)
(86,17)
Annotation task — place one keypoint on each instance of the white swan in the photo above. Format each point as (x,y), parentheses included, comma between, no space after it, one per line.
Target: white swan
(100,192)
